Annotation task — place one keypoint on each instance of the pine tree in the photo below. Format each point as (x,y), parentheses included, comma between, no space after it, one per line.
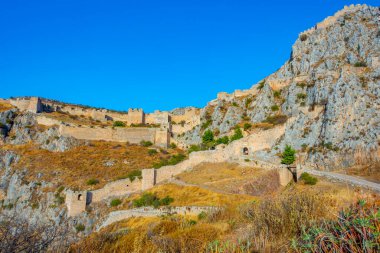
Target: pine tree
(288,157)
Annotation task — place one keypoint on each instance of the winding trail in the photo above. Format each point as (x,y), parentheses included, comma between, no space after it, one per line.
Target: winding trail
(346,179)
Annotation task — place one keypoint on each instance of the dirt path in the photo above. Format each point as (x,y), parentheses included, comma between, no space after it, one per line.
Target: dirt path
(346,178)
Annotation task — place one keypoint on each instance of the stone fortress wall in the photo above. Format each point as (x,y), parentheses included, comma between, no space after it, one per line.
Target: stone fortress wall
(238,151)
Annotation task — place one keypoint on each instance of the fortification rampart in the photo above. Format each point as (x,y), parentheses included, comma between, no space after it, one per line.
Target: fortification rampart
(135,135)
(30,104)
(115,189)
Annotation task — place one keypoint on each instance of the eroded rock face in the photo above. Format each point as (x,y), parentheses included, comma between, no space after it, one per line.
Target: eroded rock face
(329,89)
(25,129)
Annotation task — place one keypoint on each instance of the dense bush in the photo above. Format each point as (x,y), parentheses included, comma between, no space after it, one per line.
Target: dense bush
(356,229)
(119,124)
(150,199)
(92,181)
(115,202)
(308,179)
(223,140)
(173,145)
(146,143)
(208,137)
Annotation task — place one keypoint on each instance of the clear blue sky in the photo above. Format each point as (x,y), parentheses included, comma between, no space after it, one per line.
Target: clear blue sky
(149,54)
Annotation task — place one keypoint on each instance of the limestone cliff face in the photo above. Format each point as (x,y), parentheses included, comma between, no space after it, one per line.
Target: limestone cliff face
(329,90)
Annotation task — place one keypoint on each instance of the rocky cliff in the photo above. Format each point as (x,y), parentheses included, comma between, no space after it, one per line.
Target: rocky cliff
(327,94)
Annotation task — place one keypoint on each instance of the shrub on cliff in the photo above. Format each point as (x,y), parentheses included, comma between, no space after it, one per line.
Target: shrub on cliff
(237,135)
(152,152)
(223,140)
(208,137)
(119,124)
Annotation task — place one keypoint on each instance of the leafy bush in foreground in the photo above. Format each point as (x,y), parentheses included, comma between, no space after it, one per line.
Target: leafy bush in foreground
(308,179)
(357,229)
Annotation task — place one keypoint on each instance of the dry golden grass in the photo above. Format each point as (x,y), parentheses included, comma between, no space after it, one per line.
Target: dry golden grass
(75,167)
(267,223)
(227,177)
(5,106)
(195,196)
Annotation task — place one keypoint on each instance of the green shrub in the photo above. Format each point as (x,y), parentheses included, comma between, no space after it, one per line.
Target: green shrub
(288,156)
(146,143)
(277,94)
(166,201)
(202,215)
(173,160)
(360,64)
(152,151)
(261,85)
(115,202)
(234,104)
(248,102)
(194,148)
(150,199)
(237,135)
(119,124)
(206,124)
(173,145)
(80,227)
(274,108)
(247,126)
(302,85)
(92,181)
(308,179)
(301,95)
(134,174)
(223,140)
(208,137)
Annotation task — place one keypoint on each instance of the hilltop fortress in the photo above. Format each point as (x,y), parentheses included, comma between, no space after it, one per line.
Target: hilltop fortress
(157,127)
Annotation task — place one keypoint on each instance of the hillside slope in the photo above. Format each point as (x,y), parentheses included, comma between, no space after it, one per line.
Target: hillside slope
(328,91)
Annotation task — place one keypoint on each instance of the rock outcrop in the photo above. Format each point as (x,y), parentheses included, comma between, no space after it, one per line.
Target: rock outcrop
(329,90)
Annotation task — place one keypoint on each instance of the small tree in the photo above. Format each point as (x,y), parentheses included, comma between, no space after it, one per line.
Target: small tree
(288,156)
(208,137)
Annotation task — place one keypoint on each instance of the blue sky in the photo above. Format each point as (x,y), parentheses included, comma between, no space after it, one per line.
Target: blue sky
(149,54)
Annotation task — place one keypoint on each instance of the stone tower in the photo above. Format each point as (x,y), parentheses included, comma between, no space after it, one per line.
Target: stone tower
(76,202)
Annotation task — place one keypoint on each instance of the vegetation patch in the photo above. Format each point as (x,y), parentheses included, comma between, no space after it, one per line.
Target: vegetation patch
(356,229)
(308,179)
(119,124)
(150,199)
(115,202)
